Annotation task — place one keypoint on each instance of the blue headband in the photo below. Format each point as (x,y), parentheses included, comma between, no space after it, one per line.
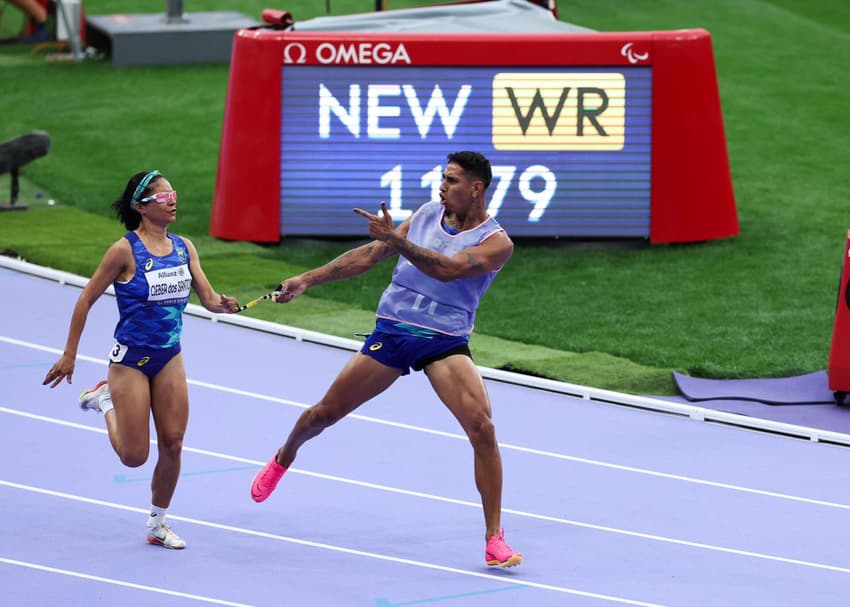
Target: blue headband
(143,184)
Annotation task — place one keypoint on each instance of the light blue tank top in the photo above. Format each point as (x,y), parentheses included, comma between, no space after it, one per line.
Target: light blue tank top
(415,298)
(151,303)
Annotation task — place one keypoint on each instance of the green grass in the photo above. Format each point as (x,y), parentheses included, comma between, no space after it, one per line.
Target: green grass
(610,315)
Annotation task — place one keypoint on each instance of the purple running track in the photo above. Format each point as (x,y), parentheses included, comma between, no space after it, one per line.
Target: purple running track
(610,505)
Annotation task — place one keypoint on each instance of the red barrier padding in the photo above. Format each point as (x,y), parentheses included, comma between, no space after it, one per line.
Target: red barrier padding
(692,198)
(247,189)
(839,351)
(691,189)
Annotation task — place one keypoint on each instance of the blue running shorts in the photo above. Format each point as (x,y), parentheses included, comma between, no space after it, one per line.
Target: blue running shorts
(149,361)
(403,351)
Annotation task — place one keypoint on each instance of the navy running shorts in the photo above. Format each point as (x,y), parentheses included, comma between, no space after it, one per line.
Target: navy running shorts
(149,361)
(405,351)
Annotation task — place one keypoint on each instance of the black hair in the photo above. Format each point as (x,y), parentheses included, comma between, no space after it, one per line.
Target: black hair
(125,206)
(474,164)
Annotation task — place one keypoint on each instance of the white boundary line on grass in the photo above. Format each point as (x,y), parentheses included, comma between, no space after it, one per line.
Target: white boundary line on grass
(583,392)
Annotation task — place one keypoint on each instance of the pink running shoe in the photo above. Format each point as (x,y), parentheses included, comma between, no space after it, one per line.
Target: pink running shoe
(499,553)
(266,480)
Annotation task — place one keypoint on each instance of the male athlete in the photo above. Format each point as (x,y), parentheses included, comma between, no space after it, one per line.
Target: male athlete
(449,252)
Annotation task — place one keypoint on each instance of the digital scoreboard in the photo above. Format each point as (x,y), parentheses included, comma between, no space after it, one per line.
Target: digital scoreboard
(590,135)
(562,165)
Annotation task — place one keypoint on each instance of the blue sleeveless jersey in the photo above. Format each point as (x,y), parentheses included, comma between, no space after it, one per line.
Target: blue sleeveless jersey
(151,303)
(415,298)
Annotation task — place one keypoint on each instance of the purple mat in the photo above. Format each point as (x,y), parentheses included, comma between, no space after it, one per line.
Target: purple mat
(808,389)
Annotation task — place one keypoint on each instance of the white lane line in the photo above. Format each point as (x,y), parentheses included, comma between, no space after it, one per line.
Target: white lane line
(335,548)
(467,503)
(461,437)
(114,582)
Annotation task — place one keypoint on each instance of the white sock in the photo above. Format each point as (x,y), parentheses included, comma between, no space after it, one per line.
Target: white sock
(157,516)
(105,403)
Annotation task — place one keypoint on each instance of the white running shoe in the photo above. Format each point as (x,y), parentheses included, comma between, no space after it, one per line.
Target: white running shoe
(90,399)
(162,535)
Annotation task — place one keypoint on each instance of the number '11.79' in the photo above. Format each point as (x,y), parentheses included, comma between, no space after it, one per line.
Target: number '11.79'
(503,176)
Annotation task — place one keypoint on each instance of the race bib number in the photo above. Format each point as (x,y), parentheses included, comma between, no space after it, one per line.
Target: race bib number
(169,285)
(116,355)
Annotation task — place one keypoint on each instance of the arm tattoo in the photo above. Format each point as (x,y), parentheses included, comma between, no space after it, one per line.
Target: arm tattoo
(380,250)
(336,268)
(353,262)
(419,256)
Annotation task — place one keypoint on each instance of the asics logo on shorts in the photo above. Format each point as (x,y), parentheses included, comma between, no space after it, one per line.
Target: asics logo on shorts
(376,346)
(143,361)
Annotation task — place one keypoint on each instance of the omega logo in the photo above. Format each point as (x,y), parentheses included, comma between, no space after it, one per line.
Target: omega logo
(362,53)
(295,52)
